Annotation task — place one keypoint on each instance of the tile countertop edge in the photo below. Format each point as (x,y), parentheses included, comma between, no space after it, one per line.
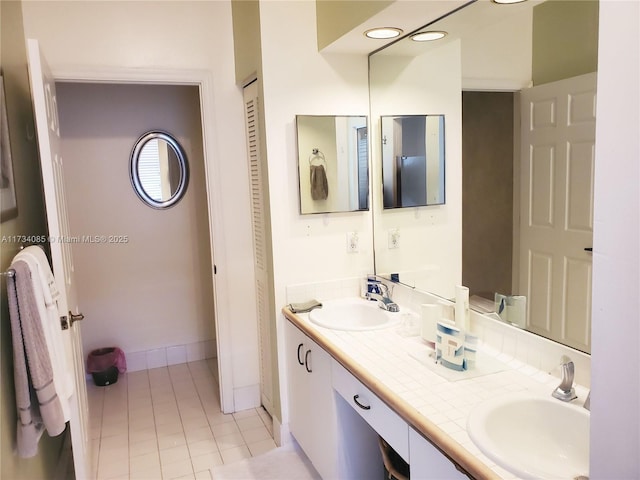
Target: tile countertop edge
(442,441)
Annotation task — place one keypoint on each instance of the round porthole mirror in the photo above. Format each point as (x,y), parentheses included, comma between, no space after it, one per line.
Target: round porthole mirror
(159,170)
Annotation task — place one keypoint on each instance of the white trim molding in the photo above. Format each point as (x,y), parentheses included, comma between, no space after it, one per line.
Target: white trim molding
(205,81)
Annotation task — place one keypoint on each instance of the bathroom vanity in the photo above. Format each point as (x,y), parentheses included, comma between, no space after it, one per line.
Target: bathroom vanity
(348,387)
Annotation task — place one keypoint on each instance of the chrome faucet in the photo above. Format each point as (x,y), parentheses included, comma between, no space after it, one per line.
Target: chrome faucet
(565,390)
(384,299)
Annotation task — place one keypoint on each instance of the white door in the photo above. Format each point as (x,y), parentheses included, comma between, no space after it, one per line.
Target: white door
(47,127)
(556,215)
(260,246)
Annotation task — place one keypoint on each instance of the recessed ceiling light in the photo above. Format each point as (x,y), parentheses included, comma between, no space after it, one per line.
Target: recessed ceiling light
(428,36)
(383,33)
(507,2)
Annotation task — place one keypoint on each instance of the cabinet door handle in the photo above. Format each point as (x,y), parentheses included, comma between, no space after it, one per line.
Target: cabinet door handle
(364,407)
(300,361)
(306,361)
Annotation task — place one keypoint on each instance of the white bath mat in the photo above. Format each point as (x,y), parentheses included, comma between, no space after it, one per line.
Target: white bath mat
(282,463)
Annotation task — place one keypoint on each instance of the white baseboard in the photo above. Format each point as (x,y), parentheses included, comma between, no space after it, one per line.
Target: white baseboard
(246,397)
(171,355)
(281,434)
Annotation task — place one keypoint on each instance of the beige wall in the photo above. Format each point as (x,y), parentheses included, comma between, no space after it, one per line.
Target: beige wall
(297,80)
(30,221)
(307,247)
(429,255)
(141,38)
(335,18)
(246,38)
(572,25)
(154,290)
(487,192)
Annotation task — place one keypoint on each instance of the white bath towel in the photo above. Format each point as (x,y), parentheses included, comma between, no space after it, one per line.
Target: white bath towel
(36,399)
(46,293)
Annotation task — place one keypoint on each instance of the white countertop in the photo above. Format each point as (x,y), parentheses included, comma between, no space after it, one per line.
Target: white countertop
(391,361)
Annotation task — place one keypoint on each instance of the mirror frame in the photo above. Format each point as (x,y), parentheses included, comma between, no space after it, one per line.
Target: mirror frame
(182,164)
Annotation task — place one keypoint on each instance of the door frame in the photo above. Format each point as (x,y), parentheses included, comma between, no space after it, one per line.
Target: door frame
(204,80)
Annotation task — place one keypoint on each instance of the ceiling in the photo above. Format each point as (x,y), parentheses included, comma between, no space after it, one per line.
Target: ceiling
(409,15)
(412,15)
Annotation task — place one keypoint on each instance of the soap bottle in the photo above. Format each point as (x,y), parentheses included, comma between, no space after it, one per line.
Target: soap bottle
(462,308)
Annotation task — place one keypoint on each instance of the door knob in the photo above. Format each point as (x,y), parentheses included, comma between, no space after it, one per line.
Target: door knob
(75,317)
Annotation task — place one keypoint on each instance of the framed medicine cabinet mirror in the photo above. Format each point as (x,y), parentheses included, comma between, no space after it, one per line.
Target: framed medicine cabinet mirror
(159,170)
(333,163)
(412,160)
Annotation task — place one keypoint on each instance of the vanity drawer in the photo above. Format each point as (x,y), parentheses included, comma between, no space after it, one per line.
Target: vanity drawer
(387,423)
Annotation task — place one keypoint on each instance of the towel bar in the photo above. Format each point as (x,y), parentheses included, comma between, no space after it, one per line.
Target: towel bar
(9,273)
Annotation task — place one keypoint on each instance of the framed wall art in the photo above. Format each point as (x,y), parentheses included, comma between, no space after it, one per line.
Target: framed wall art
(8,201)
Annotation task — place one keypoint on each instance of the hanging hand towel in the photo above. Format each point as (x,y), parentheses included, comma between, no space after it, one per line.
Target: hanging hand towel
(46,293)
(37,402)
(319,184)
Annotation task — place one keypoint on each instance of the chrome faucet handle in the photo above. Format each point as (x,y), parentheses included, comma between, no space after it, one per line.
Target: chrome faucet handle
(565,390)
(384,302)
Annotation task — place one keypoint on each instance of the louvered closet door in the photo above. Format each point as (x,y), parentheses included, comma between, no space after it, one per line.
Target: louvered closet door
(259,244)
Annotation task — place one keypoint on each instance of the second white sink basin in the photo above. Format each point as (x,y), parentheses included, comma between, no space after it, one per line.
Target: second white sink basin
(353,314)
(533,436)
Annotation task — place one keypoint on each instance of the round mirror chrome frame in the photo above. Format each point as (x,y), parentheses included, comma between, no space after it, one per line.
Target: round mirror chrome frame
(182,164)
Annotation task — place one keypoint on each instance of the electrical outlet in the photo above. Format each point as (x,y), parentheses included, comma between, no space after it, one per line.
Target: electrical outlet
(352,242)
(394,238)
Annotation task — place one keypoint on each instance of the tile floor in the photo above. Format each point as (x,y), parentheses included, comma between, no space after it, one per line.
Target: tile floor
(166,424)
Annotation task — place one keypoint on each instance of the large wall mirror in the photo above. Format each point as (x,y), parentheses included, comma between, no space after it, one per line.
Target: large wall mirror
(158,170)
(333,163)
(519,213)
(413,158)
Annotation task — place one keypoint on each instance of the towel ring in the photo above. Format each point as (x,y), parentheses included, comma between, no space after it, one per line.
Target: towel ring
(317,155)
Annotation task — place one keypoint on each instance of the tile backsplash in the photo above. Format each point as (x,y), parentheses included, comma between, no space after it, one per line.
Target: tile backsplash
(513,343)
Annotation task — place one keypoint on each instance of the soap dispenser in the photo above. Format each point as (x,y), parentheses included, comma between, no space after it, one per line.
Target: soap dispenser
(462,308)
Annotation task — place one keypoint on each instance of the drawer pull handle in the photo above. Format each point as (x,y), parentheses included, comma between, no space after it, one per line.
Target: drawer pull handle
(300,361)
(306,361)
(364,407)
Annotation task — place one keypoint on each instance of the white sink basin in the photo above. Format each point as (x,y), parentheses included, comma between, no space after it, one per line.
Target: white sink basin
(353,314)
(534,437)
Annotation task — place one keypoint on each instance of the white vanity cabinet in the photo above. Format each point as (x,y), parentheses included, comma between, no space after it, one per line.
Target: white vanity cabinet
(428,463)
(312,417)
(387,423)
(336,420)
(425,460)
